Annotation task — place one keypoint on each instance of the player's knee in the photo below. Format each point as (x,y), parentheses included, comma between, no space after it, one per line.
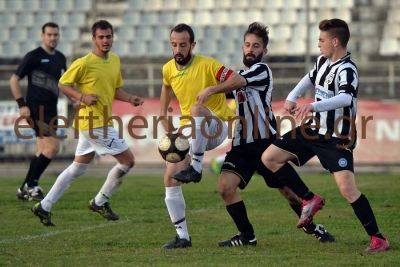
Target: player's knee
(226,190)
(198,110)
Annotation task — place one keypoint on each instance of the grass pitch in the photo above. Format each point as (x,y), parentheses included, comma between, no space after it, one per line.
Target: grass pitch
(84,238)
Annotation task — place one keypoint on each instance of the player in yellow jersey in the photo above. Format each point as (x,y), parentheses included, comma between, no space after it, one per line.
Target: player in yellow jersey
(99,81)
(185,76)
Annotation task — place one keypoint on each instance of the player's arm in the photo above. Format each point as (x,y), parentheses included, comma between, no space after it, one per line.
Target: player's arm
(125,97)
(165,100)
(231,82)
(299,89)
(69,90)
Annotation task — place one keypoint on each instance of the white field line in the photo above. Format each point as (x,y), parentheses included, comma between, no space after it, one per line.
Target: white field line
(60,232)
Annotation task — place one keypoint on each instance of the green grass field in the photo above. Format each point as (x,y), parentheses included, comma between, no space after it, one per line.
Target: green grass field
(84,238)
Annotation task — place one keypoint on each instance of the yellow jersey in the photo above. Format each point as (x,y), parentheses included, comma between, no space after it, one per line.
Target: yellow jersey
(93,74)
(186,83)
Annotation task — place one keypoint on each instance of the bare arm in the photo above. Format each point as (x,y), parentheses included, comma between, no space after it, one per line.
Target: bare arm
(125,97)
(165,99)
(87,99)
(234,82)
(16,91)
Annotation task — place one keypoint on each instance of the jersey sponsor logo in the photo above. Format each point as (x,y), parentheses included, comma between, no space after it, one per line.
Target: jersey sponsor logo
(45,60)
(182,74)
(342,162)
(322,93)
(330,78)
(229,163)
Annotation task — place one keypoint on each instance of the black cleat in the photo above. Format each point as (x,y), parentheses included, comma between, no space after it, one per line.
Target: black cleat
(104,210)
(188,175)
(236,241)
(35,194)
(320,233)
(178,243)
(23,195)
(44,216)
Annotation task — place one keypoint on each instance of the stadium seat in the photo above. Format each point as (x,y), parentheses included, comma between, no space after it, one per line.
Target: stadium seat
(125,33)
(270,17)
(70,33)
(297,47)
(138,48)
(25,19)
(42,18)
(77,19)
(205,4)
(8,19)
(302,16)
(294,4)
(240,17)
(61,18)
(344,14)
(213,33)
(242,4)
(223,4)
(203,17)
(389,47)
(66,48)
(150,18)
(323,14)
(18,33)
(167,18)
(154,5)
(274,4)
(370,47)
(156,47)
(224,58)
(14,5)
(228,46)
(199,32)
(3,5)
(185,16)
(11,49)
(313,34)
(281,32)
(48,5)
(254,15)
(122,49)
(170,5)
(4,34)
(231,32)
(236,60)
(209,47)
(345,3)
(313,45)
(162,33)
(144,33)
(27,46)
(393,15)
(391,30)
(288,16)
(327,4)
(380,2)
(32,5)
(63,5)
(278,47)
(132,18)
(220,17)
(83,5)
(34,33)
(138,4)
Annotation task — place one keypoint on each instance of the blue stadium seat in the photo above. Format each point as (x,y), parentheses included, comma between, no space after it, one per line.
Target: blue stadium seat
(48,5)
(125,33)
(18,33)
(77,19)
(32,5)
(25,19)
(132,18)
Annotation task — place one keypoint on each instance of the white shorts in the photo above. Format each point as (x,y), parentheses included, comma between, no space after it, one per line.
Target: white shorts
(214,140)
(110,144)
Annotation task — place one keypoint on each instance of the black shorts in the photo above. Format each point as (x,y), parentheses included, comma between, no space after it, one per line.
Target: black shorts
(42,116)
(330,152)
(245,160)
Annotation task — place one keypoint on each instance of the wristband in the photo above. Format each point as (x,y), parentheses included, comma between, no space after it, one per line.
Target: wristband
(21,102)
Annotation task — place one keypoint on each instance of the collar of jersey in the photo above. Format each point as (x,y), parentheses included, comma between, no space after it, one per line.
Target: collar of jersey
(100,56)
(191,61)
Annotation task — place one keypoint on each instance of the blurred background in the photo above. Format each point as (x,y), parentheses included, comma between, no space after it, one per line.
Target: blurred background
(142,29)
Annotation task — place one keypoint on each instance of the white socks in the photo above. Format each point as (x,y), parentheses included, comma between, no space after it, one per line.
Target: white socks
(62,183)
(199,143)
(114,180)
(176,208)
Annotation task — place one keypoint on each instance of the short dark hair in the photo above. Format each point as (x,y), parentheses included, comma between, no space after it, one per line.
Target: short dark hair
(49,24)
(182,27)
(103,25)
(337,28)
(260,30)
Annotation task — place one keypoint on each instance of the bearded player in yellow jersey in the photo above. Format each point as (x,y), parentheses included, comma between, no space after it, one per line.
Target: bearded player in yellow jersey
(185,76)
(99,81)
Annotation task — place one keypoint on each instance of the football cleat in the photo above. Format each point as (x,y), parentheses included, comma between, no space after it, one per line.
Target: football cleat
(35,194)
(188,175)
(22,194)
(236,241)
(44,216)
(320,233)
(377,245)
(178,243)
(104,210)
(309,208)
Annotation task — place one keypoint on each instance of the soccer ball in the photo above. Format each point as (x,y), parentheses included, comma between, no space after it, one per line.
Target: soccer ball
(173,148)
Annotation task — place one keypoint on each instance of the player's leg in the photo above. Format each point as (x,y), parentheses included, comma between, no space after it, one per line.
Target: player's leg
(175,203)
(83,156)
(360,204)
(49,147)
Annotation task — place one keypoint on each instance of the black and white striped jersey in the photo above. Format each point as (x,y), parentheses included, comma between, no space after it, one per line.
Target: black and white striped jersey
(331,79)
(255,119)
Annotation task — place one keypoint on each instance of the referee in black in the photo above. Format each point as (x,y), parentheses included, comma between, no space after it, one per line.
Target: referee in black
(330,133)
(44,67)
(255,130)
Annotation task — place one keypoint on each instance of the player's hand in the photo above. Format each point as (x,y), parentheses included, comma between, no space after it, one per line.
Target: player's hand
(289,106)
(90,99)
(136,101)
(24,111)
(203,96)
(302,111)
(75,103)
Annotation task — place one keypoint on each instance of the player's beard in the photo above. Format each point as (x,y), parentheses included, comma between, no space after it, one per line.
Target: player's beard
(249,63)
(184,60)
